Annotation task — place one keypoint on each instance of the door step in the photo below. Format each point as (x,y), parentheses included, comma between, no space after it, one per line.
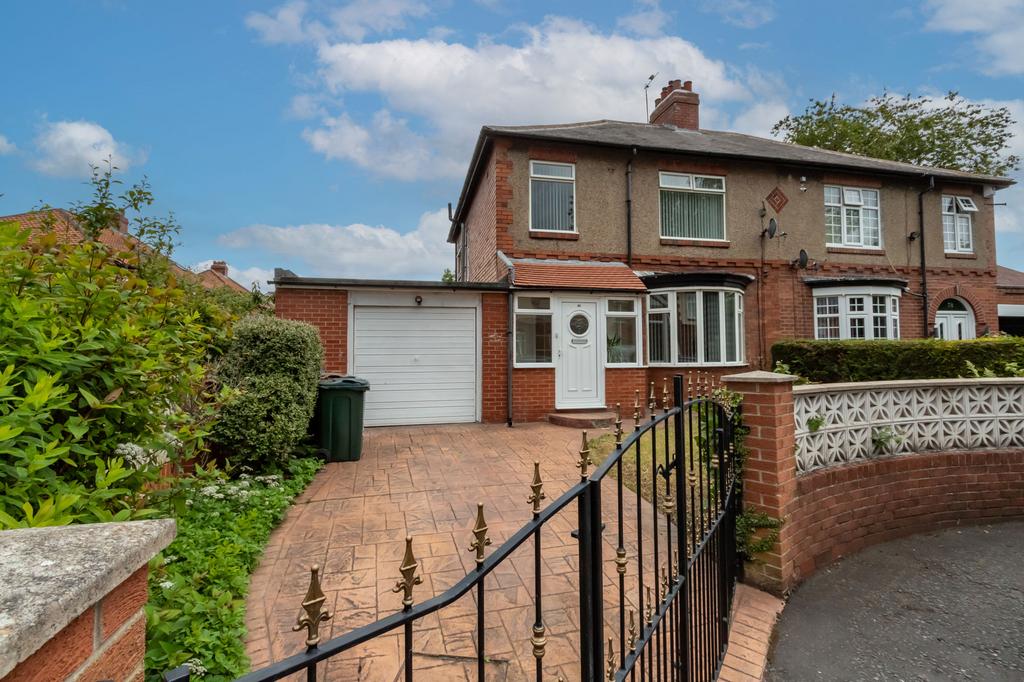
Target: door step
(589,419)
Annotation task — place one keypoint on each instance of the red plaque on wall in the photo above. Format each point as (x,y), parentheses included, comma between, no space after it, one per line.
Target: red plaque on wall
(777,200)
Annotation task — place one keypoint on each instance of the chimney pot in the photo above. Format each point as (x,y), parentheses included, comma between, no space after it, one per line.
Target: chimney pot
(678,106)
(220,266)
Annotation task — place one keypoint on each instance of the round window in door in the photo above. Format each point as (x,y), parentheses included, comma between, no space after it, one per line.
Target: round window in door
(579,324)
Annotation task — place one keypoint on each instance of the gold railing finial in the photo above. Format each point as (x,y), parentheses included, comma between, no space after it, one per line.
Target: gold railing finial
(618,424)
(314,613)
(664,580)
(538,640)
(650,604)
(632,630)
(409,577)
(538,489)
(612,667)
(636,408)
(584,462)
(664,394)
(652,402)
(689,386)
(480,539)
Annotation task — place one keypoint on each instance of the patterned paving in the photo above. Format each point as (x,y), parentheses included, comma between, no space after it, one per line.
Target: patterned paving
(426,482)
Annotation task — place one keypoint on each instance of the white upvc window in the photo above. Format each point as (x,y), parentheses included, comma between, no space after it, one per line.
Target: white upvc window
(533,327)
(622,326)
(692,206)
(552,196)
(857,313)
(852,217)
(695,326)
(957,224)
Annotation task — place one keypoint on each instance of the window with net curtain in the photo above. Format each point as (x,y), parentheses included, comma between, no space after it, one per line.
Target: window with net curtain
(692,206)
(552,196)
(695,327)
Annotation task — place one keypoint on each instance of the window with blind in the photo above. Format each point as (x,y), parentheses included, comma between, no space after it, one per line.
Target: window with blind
(957,230)
(692,206)
(695,327)
(552,196)
(852,217)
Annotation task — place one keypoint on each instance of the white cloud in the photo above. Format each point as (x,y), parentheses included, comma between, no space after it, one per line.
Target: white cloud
(451,89)
(997,24)
(70,148)
(6,146)
(356,250)
(305,106)
(361,17)
(286,25)
(244,276)
(743,13)
(759,119)
(648,20)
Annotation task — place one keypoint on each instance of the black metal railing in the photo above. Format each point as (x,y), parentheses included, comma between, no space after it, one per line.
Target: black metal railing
(675,556)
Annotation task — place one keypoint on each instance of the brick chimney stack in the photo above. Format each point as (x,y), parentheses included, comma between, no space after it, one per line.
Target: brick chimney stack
(220,266)
(678,106)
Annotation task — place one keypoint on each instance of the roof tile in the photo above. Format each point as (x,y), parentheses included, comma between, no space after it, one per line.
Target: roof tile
(606,277)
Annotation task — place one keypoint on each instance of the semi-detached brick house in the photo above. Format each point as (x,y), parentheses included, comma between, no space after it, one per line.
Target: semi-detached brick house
(592,258)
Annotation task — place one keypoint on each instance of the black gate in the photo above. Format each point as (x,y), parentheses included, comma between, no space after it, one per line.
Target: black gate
(656,610)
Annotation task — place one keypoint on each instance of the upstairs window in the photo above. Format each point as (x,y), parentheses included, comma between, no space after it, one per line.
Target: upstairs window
(695,327)
(852,217)
(857,313)
(692,206)
(552,196)
(957,227)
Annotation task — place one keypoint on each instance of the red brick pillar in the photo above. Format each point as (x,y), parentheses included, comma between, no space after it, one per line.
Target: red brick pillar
(769,470)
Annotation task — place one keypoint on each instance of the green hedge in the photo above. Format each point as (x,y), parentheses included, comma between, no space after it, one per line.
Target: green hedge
(839,361)
(275,365)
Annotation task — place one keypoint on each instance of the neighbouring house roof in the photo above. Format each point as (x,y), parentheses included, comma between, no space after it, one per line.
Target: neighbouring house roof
(709,143)
(211,279)
(1008,277)
(574,275)
(287,278)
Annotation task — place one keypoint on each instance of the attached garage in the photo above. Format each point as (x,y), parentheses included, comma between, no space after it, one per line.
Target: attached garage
(420,351)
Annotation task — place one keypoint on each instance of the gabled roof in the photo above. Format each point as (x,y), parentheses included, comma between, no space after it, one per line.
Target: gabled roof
(575,275)
(708,143)
(211,279)
(1008,277)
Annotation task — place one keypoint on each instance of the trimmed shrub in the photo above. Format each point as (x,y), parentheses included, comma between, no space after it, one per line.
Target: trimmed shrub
(841,361)
(274,365)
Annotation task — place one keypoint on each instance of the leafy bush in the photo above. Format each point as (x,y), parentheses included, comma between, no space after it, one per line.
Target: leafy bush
(841,361)
(274,364)
(197,586)
(97,350)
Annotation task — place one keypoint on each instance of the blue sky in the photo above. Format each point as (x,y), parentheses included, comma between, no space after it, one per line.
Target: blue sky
(328,137)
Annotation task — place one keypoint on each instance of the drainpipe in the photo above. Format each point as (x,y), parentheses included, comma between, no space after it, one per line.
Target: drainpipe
(508,368)
(629,211)
(920,238)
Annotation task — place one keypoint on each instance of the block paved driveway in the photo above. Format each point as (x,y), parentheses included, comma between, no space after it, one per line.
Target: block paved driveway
(425,482)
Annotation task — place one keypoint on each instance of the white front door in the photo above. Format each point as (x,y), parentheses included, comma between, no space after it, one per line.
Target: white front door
(954,326)
(578,365)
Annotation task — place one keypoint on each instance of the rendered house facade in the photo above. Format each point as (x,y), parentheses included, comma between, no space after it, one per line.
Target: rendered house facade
(629,252)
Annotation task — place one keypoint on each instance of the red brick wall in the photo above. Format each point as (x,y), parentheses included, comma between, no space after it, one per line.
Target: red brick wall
(106,642)
(841,510)
(621,384)
(325,309)
(494,352)
(533,394)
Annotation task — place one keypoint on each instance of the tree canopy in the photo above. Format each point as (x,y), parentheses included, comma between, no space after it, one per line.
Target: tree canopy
(949,132)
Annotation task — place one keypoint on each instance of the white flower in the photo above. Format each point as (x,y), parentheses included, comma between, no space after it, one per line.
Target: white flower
(166,584)
(169,558)
(196,667)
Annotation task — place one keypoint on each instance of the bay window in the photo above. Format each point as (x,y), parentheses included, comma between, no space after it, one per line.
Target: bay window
(852,217)
(957,230)
(692,206)
(552,196)
(695,327)
(533,330)
(621,321)
(857,313)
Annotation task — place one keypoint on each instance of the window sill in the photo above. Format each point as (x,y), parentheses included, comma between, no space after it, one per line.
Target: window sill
(957,254)
(539,365)
(554,234)
(619,365)
(855,250)
(707,243)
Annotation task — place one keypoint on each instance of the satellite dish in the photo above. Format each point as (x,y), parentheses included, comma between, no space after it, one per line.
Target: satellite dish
(773,228)
(802,259)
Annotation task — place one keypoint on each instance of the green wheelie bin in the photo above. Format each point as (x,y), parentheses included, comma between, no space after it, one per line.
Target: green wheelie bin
(339,417)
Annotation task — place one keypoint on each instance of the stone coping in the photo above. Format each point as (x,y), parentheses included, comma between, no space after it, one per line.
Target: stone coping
(759,376)
(50,576)
(807,389)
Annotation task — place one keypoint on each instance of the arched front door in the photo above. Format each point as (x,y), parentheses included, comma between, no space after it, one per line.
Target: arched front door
(954,320)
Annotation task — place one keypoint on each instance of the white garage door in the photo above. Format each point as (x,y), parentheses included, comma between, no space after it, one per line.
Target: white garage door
(420,362)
